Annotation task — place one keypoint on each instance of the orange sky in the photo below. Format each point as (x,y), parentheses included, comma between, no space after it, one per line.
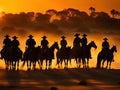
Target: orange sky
(16,6)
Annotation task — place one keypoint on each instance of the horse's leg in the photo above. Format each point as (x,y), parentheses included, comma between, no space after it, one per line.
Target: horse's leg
(11,65)
(39,63)
(83,62)
(6,64)
(18,65)
(76,62)
(46,63)
(103,63)
(87,62)
(110,64)
(61,63)
(79,62)
(23,64)
(34,65)
(107,64)
(14,65)
(28,65)
(98,66)
(65,64)
(57,62)
(50,63)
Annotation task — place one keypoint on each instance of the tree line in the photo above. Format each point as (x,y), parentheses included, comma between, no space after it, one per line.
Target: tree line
(52,20)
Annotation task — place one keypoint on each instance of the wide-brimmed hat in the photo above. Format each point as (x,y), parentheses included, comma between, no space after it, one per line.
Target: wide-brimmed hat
(44,37)
(77,34)
(105,39)
(30,35)
(14,37)
(63,37)
(84,35)
(6,36)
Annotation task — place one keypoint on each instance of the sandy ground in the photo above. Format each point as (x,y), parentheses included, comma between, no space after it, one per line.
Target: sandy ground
(71,79)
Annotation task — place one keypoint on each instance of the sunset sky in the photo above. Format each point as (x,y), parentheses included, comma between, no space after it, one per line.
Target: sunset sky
(16,6)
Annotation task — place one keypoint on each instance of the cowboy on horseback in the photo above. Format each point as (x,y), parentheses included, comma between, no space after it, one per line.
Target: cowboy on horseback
(44,44)
(84,40)
(30,42)
(63,42)
(15,44)
(77,40)
(7,41)
(7,44)
(84,43)
(63,49)
(105,46)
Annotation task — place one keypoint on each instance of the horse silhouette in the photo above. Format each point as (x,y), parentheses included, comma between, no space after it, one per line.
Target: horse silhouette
(86,53)
(31,56)
(48,55)
(76,53)
(102,57)
(63,54)
(11,56)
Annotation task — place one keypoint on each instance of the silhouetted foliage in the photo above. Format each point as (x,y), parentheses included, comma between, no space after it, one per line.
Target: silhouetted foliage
(114,13)
(52,21)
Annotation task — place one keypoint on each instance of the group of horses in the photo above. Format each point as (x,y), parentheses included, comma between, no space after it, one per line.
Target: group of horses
(31,57)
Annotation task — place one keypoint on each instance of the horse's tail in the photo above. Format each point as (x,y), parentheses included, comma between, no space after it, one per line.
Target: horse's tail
(99,58)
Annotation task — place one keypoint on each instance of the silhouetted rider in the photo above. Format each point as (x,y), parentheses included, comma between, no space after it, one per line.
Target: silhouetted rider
(84,40)
(7,45)
(7,41)
(15,43)
(84,44)
(105,45)
(30,42)
(77,40)
(63,42)
(44,43)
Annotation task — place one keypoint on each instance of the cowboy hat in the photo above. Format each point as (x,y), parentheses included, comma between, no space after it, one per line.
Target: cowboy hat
(105,39)
(77,34)
(84,35)
(30,35)
(63,37)
(14,37)
(6,36)
(44,37)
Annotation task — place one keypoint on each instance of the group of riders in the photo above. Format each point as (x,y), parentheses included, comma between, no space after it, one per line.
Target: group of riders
(13,45)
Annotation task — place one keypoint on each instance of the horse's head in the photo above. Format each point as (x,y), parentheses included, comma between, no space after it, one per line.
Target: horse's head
(69,48)
(55,45)
(92,44)
(114,48)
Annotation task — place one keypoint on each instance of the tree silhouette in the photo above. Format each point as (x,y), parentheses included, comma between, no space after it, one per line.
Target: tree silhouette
(114,13)
(59,21)
(92,9)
